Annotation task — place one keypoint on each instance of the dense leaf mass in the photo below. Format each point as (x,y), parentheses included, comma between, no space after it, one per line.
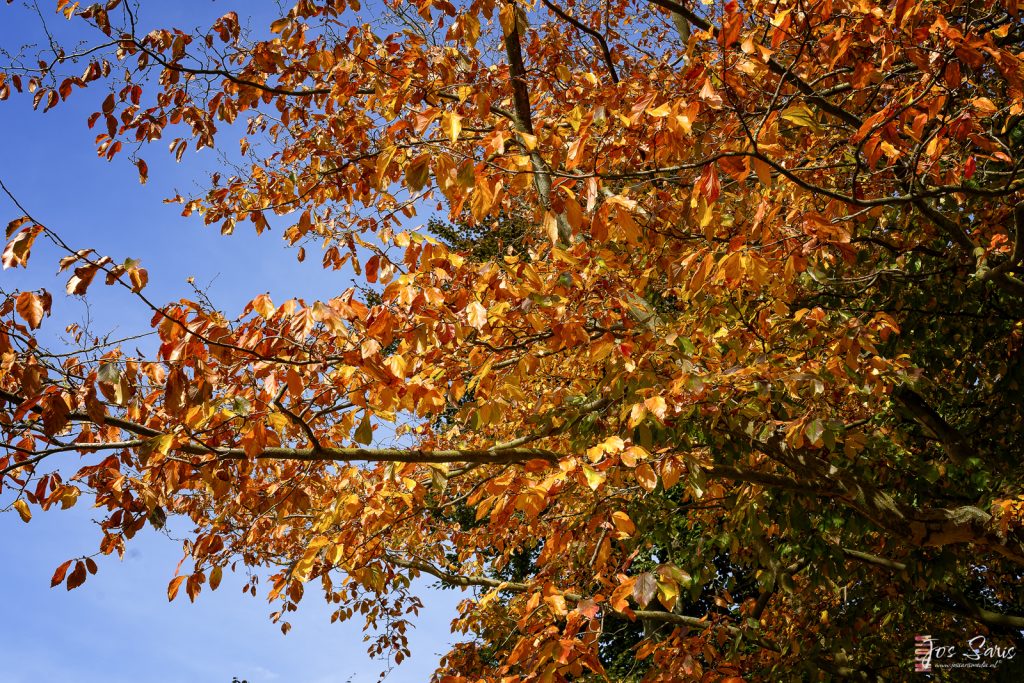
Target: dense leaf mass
(713,372)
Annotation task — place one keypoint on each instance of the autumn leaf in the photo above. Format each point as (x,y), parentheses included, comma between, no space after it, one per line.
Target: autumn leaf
(174,586)
(215,577)
(801,116)
(588,608)
(60,573)
(417,173)
(263,306)
(640,311)
(451,125)
(22,507)
(593,477)
(646,477)
(668,593)
(31,307)
(18,249)
(644,589)
(709,186)
(77,576)
(364,434)
(476,314)
(623,523)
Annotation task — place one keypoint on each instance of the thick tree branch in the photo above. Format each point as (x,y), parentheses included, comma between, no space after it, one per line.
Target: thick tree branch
(962,605)
(934,527)
(874,559)
(970,609)
(952,441)
(524,124)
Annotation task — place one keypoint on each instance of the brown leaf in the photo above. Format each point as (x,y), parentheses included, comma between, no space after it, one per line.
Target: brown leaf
(18,249)
(31,307)
(644,589)
(77,577)
(60,573)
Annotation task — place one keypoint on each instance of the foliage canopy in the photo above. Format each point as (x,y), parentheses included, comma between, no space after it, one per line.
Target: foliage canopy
(714,374)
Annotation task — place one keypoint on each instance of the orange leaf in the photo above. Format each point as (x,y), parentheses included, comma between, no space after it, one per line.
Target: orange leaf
(31,307)
(22,507)
(708,185)
(60,573)
(172,588)
(646,477)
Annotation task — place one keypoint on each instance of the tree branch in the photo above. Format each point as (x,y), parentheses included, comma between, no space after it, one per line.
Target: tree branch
(596,35)
(515,587)
(774,65)
(952,441)
(524,124)
(500,453)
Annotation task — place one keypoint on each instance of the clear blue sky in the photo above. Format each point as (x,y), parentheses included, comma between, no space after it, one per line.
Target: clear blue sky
(119,626)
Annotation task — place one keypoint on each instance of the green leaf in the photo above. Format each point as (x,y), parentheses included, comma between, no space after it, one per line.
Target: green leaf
(241,406)
(109,373)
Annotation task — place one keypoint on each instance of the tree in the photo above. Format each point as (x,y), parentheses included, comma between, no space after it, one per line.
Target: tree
(741,403)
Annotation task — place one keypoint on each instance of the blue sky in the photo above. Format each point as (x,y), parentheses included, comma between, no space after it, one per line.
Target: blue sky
(119,626)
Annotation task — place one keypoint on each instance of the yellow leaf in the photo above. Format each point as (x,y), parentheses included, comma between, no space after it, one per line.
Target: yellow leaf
(683,124)
(671,471)
(594,478)
(646,477)
(68,497)
(657,406)
(396,364)
(507,17)
(575,118)
(661,112)
(668,593)
(623,523)
(529,141)
(451,124)
(471,29)
(763,171)
(158,445)
(551,227)
(476,314)
(304,566)
(801,116)
(573,213)
(631,455)
(417,173)
(556,603)
(22,507)
(264,306)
